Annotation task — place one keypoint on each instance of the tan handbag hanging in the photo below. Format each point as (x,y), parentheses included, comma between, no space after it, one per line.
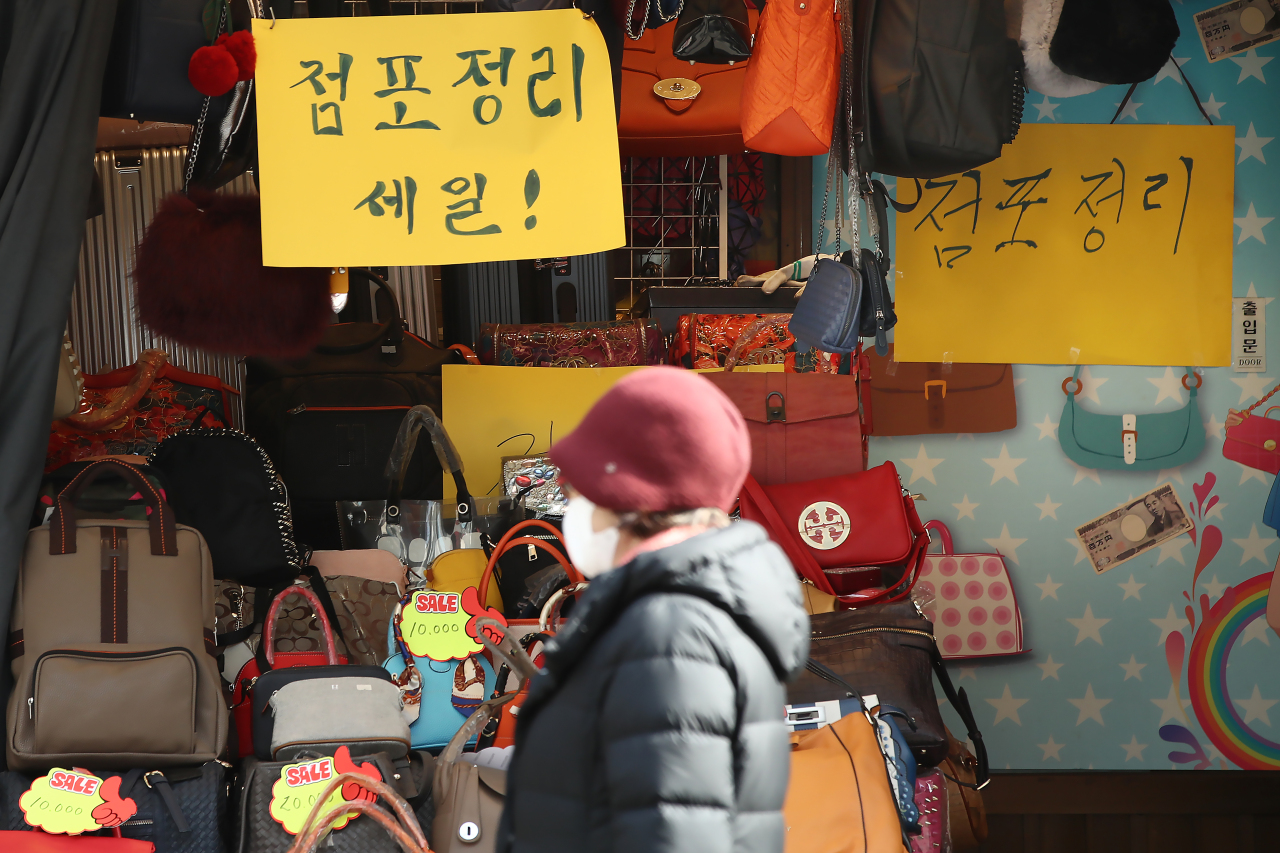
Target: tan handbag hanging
(469,798)
(966,813)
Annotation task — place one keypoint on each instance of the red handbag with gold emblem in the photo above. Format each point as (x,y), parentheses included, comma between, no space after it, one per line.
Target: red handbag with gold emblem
(675,108)
(845,534)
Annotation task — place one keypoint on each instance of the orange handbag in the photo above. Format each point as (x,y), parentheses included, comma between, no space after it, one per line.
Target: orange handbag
(675,108)
(793,79)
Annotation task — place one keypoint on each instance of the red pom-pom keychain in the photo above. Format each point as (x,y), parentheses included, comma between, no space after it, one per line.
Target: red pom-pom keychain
(240,45)
(213,70)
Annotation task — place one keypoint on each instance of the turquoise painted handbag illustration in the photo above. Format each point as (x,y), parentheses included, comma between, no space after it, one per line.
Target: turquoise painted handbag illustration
(1131,442)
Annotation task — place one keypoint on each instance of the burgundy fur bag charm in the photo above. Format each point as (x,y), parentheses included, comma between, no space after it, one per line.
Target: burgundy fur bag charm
(201,281)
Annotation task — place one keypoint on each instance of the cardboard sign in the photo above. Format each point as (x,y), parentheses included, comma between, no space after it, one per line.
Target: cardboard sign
(295,793)
(69,802)
(1093,244)
(436,139)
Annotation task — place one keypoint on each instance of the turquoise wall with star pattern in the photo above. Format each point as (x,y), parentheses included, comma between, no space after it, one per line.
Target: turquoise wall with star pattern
(1096,688)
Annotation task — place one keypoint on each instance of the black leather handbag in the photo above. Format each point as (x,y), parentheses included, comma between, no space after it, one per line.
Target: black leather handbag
(182,810)
(329,420)
(716,32)
(828,315)
(887,650)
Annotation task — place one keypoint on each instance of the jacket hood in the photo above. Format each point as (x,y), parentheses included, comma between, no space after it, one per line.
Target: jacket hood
(736,568)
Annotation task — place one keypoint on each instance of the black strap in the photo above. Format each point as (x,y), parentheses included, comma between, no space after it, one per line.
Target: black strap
(882,197)
(261,603)
(1190,90)
(390,334)
(960,701)
(825,672)
(156,781)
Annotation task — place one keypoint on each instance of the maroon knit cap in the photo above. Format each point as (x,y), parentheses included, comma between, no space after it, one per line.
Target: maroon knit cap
(662,439)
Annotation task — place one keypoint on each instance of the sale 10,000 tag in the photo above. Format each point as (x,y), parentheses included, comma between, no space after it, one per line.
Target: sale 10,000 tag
(435,624)
(295,793)
(74,801)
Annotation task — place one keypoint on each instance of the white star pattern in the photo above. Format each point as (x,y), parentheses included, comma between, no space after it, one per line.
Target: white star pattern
(1169,386)
(1171,549)
(1088,627)
(1215,511)
(1131,589)
(1051,749)
(1048,509)
(1214,107)
(1255,630)
(1007,707)
(1083,473)
(1250,65)
(968,672)
(1170,71)
(1046,108)
(1248,473)
(1251,225)
(1167,474)
(1090,707)
(1253,291)
(1172,707)
(1006,545)
(1004,466)
(1049,669)
(1255,707)
(1090,384)
(1133,749)
(1252,386)
(1170,623)
(1213,427)
(1132,669)
(1130,111)
(1049,589)
(1254,546)
(1251,145)
(1048,428)
(1213,588)
(1081,553)
(922,467)
(965,509)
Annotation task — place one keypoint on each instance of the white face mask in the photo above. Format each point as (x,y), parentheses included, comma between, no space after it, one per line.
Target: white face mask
(590,550)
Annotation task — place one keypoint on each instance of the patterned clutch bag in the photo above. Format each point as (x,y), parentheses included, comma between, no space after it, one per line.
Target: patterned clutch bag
(627,343)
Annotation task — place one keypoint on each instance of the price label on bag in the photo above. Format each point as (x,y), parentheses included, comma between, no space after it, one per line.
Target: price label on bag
(300,785)
(65,802)
(434,625)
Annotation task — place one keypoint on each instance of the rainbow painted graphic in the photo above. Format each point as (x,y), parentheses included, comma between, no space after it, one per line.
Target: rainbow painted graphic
(1207,676)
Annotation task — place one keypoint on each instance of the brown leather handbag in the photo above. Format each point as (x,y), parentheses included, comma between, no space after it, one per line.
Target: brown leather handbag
(966,813)
(923,398)
(675,108)
(469,798)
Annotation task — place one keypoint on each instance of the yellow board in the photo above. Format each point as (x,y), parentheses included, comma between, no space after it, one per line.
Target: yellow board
(492,412)
(436,139)
(1056,264)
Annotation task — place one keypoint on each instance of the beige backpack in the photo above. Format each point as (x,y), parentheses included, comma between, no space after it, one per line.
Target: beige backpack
(112,642)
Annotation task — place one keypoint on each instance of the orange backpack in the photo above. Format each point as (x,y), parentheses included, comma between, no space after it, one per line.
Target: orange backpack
(789,95)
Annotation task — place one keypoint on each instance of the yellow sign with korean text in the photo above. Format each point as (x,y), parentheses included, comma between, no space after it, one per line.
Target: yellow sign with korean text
(435,139)
(1091,244)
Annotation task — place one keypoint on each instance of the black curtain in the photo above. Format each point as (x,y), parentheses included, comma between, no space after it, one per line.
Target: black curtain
(52,54)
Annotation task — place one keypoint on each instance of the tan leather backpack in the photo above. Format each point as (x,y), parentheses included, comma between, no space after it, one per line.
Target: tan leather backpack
(112,642)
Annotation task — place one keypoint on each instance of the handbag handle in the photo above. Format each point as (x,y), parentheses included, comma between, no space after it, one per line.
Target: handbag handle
(390,333)
(960,701)
(947,548)
(477,721)
(62,525)
(404,826)
(405,445)
(551,609)
(505,544)
(508,650)
(268,640)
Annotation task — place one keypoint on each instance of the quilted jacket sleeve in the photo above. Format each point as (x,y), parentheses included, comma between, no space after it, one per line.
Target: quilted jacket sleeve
(667,731)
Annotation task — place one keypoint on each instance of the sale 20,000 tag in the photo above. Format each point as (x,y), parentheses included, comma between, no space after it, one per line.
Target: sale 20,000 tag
(295,793)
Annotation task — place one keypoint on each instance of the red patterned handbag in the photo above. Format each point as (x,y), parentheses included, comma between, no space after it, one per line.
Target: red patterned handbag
(128,411)
(1254,441)
(706,341)
(626,343)
(845,534)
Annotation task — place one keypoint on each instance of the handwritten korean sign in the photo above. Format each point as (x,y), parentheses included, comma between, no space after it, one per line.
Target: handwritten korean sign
(431,139)
(1097,244)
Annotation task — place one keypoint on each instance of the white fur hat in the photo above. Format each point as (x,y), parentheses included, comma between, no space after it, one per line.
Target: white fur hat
(1039,22)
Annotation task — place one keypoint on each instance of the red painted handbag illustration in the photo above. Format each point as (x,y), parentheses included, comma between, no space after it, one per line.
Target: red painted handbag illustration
(973,606)
(1252,440)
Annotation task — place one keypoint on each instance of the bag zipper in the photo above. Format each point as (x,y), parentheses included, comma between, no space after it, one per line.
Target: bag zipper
(76,653)
(874,631)
(299,409)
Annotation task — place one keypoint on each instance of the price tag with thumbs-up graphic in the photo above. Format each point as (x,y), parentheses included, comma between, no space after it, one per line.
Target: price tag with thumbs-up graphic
(442,625)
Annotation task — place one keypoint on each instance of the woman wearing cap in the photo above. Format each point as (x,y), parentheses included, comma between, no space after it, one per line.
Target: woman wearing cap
(656,725)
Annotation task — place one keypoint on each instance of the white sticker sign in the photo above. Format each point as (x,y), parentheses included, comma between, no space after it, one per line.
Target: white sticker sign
(1249,334)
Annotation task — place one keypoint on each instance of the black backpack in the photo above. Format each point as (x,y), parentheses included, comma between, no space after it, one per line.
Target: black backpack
(940,85)
(329,419)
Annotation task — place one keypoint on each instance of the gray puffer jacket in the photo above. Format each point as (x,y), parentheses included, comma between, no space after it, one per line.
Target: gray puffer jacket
(656,726)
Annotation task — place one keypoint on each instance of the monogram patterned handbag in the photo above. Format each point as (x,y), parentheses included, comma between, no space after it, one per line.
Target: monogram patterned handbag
(627,343)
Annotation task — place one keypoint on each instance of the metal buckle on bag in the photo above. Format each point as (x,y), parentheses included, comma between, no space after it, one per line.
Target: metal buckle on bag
(778,413)
(806,716)
(936,383)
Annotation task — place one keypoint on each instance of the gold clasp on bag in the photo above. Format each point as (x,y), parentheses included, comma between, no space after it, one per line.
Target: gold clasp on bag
(936,383)
(677,89)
